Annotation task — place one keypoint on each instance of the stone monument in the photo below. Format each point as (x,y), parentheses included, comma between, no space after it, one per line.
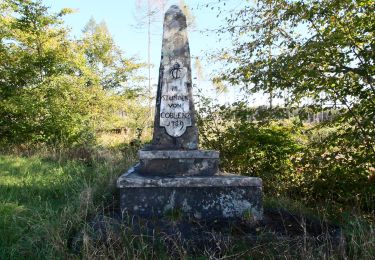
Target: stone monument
(173,174)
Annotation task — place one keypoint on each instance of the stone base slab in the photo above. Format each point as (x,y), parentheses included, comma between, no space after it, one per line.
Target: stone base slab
(178,163)
(217,197)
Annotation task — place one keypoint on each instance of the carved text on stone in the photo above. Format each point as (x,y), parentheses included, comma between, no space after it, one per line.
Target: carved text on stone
(175,113)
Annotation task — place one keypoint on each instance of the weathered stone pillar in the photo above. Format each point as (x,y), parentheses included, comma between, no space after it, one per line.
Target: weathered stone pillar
(173,174)
(174,149)
(174,125)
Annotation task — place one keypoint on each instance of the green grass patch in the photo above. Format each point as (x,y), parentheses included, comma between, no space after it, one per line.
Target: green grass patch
(42,201)
(45,202)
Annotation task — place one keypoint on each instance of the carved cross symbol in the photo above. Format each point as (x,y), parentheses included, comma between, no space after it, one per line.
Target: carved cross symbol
(175,71)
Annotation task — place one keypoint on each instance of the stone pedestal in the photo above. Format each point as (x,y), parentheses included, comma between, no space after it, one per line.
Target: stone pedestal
(199,197)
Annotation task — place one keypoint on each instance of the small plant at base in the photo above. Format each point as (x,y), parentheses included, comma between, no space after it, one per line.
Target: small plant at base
(174,214)
(248,215)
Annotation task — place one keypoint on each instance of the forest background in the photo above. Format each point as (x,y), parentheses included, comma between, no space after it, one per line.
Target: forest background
(74,111)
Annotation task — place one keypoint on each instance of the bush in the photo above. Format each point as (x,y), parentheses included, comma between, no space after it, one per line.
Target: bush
(54,112)
(250,148)
(335,168)
(314,163)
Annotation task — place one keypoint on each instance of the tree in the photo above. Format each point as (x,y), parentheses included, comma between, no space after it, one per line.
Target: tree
(33,44)
(154,11)
(322,56)
(35,55)
(318,46)
(105,58)
(53,89)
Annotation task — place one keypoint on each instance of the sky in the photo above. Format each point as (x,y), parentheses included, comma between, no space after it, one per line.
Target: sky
(122,18)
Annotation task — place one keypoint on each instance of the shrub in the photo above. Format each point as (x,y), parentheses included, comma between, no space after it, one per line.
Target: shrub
(252,148)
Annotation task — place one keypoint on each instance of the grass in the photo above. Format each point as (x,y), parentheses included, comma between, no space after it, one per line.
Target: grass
(43,200)
(46,198)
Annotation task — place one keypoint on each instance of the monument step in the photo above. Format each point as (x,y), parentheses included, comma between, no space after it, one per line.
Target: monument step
(132,178)
(178,163)
(219,197)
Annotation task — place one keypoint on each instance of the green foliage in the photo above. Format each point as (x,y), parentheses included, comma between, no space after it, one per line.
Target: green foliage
(312,54)
(304,46)
(104,58)
(333,169)
(55,111)
(314,164)
(252,148)
(37,68)
(55,90)
(309,52)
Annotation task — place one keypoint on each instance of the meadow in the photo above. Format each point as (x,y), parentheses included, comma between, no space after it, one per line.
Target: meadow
(48,197)
(45,197)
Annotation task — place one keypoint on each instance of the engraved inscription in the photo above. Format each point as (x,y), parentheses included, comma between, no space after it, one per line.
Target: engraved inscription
(175,114)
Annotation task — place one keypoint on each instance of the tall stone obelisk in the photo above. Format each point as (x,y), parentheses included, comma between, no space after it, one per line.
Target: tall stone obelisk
(174,149)
(174,125)
(172,172)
